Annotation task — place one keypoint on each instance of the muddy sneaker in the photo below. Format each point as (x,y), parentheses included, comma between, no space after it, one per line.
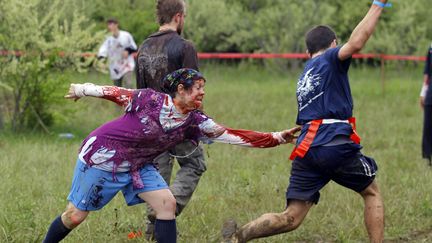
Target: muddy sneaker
(229,230)
(149,233)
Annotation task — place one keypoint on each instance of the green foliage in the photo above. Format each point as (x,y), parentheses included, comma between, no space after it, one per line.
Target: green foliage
(50,35)
(279,26)
(275,25)
(209,30)
(406,30)
(73,26)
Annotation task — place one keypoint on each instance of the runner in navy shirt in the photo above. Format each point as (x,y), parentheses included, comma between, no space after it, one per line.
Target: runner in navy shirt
(323,92)
(328,147)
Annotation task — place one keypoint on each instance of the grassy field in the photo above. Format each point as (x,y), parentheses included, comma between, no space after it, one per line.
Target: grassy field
(36,169)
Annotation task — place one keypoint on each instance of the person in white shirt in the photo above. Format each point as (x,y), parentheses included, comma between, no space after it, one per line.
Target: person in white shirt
(119,48)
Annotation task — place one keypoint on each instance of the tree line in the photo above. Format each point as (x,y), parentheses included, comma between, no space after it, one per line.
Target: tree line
(275,25)
(42,29)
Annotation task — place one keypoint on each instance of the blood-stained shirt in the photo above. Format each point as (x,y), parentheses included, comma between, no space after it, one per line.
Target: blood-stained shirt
(151,125)
(323,92)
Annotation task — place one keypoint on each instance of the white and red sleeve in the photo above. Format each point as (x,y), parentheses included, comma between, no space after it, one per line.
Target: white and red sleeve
(118,95)
(247,138)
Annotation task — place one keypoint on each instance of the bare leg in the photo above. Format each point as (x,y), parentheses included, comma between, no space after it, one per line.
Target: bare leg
(162,202)
(274,223)
(73,216)
(62,225)
(373,213)
(165,164)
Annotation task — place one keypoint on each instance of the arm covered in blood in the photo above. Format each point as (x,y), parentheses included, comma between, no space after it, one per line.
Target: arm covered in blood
(247,138)
(118,95)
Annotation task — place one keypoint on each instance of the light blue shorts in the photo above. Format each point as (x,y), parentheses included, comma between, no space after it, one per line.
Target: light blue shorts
(93,188)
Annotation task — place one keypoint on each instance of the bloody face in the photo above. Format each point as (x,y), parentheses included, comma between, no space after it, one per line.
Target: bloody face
(193,97)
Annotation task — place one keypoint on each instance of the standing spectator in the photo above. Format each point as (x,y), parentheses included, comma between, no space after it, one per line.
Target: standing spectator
(118,48)
(426,104)
(160,54)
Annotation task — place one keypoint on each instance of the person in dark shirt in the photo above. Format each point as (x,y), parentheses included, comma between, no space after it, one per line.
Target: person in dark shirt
(426,104)
(165,50)
(328,146)
(160,54)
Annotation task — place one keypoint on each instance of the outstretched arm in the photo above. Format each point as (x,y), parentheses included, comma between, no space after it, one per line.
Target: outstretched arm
(119,95)
(362,32)
(247,138)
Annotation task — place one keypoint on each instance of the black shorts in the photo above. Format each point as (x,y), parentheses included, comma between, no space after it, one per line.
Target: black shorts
(343,164)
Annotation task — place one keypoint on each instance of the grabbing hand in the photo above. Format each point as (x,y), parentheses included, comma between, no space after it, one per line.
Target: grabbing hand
(71,93)
(290,135)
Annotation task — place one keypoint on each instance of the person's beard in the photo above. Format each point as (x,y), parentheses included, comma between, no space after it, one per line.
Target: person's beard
(180,28)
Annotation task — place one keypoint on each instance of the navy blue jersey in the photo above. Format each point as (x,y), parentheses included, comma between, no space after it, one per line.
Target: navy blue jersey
(428,71)
(323,92)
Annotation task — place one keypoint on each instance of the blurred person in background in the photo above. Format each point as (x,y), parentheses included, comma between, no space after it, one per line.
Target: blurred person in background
(119,48)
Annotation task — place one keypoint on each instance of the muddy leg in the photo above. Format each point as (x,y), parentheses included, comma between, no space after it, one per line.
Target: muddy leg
(275,223)
(374,213)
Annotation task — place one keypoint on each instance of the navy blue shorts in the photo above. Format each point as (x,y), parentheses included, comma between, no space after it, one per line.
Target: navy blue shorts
(343,164)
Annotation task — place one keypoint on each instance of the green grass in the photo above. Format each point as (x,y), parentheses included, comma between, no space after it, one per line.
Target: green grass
(36,169)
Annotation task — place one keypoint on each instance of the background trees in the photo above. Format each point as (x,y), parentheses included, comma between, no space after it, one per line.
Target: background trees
(42,29)
(279,26)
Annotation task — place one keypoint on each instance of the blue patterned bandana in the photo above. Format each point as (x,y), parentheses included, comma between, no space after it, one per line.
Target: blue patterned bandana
(185,76)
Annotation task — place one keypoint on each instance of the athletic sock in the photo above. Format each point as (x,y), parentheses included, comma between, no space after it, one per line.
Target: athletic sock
(165,231)
(56,232)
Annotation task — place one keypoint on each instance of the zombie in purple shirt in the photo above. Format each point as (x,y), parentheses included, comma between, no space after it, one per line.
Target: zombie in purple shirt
(118,155)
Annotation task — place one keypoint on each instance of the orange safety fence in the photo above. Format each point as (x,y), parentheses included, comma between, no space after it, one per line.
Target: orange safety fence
(203,55)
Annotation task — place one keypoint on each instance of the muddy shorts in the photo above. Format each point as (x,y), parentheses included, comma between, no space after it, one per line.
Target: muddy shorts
(343,164)
(93,188)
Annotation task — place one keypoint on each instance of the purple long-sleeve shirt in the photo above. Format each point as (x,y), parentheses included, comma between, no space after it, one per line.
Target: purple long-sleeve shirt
(152,125)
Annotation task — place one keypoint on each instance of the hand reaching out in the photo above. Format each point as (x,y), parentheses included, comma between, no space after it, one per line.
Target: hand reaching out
(71,93)
(290,135)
